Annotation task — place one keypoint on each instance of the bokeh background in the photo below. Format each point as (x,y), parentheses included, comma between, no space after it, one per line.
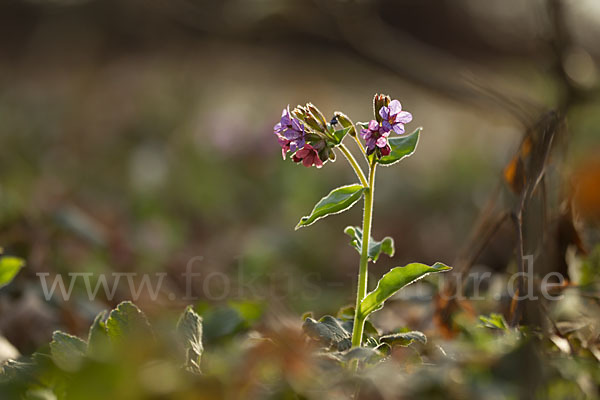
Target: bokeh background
(136,135)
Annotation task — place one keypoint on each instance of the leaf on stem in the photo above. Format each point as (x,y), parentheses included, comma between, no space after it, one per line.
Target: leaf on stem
(9,268)
(402,147)
(386,245)
(337,201)
(340,134)
(393,281)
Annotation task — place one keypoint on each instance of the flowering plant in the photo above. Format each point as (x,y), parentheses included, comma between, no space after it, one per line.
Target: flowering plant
(305,133)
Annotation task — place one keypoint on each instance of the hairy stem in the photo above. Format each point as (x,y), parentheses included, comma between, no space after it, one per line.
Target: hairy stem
(359,320)
(354,164)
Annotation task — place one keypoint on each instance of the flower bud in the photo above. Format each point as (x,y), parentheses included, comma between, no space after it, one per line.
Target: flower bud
(380,100)
(345,122)
(318,115)
(299,112)
(304,114)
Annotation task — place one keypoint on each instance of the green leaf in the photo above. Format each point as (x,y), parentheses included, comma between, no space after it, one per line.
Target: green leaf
(329,331)
(98,340)
(67,351)
(366,355)
(335,202)
(494,321)
(340,133)
(395,280)
(189,329)
(127,322)
(363,125)
(375,248)
(402,147)
(404,338)
(9,268)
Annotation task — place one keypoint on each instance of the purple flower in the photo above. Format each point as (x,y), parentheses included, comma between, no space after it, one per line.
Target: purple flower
(309,156)
(394,118)
(290,133)
(376,137)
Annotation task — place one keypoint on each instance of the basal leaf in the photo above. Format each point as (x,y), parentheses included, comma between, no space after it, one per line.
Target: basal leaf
(189,329)
(9,268)
(395,280)
(98,340)
(402,147)
(127,322)
(67,351)
(403,338)
(329,331)
(375,247)
(335,202)
(367,355)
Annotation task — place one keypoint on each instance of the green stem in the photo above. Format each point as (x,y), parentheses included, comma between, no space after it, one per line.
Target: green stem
(359,320)
(354,164)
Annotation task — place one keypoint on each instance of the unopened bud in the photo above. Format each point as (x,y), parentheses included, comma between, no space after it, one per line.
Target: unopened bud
(318,115)
(299,112)
(345,122)
(380,100)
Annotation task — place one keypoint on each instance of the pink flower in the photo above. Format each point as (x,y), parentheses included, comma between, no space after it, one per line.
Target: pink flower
(309,156)
(394,118)
(376,137)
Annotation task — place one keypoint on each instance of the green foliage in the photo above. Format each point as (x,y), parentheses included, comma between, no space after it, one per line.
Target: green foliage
(404,338)
(98,339)
(222,322)
(393,281)
(402,147)
(494,321)
(337,201)
(386,245)
(329,331)
(9,268)
(340,134)
(116,357)
(126,321)
(67,351)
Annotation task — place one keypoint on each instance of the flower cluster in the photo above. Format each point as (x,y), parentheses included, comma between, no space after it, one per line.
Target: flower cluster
(290,133)
(306,135)
(389,117)
(310,139)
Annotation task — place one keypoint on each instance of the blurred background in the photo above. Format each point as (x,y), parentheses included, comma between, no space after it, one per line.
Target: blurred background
(137,135)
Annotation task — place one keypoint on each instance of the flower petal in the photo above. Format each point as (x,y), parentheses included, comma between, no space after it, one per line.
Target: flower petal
(381,142)
(404,117)
(399,129)
(395,107)
(318,162)
(384,112)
